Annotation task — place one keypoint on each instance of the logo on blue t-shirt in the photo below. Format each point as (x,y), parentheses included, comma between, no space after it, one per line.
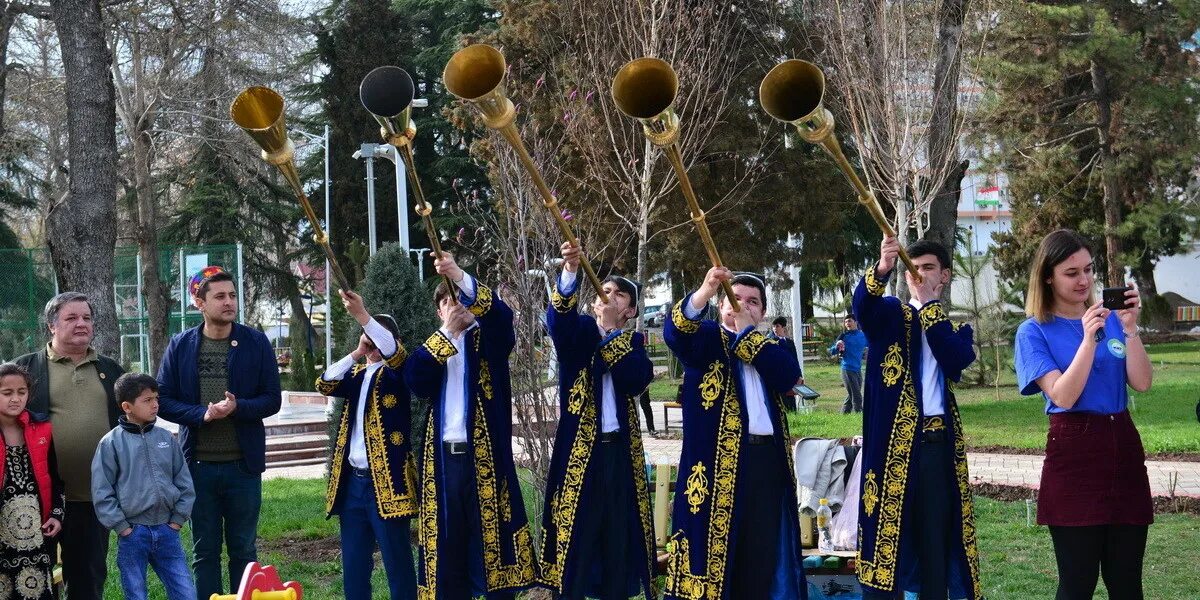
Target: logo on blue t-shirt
(1116,348)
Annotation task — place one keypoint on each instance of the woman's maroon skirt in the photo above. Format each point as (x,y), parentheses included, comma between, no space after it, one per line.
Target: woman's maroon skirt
(1095,472)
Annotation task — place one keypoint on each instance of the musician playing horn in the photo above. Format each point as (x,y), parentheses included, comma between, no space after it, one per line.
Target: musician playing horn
(736,527)
(598,540)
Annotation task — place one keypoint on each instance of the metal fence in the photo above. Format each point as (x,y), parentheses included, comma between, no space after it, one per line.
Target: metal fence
(27,281)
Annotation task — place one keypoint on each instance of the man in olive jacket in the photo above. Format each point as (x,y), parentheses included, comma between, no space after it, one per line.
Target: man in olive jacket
(73,384)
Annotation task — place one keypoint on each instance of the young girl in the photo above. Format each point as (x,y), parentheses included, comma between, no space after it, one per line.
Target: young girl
(31,499)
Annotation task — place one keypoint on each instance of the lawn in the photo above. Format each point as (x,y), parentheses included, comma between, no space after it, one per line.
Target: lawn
(1165,415)
(1018,562)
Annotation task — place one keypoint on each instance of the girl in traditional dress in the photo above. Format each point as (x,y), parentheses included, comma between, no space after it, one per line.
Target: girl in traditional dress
(31,499)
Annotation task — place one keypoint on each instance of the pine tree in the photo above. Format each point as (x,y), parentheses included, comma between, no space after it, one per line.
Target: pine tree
(354,37)
(1079,97)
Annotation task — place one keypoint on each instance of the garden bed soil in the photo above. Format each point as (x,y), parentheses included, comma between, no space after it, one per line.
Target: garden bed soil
(1015,493)
(1175,456)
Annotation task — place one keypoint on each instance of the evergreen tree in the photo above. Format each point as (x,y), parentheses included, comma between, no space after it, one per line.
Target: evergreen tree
(352,38)
(1079,98)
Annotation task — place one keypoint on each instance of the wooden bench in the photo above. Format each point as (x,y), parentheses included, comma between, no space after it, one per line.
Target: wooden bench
(667,405)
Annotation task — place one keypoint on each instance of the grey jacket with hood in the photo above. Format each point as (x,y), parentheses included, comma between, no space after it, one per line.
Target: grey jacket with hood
(139,477)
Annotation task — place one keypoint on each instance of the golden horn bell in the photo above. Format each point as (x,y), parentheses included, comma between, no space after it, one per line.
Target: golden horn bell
(476,74)
(259,112)
(387,93)
(645,89)
(794,92)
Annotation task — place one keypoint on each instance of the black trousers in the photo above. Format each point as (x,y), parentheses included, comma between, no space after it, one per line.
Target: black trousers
(644,400)
(1083,553)
(760,489)
(84,543)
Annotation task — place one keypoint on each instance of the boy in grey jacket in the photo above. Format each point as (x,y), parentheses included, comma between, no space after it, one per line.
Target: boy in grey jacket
(142,489)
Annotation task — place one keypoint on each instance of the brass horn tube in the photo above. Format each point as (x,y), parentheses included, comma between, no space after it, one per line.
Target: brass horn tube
(387,93)
(645,89)
(259,112)
(476,74)
(793,92)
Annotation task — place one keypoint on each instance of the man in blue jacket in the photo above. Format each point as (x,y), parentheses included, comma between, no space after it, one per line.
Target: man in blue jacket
(218,381)
(849,349)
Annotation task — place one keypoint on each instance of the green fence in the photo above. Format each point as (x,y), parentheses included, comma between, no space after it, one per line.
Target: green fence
(27,281)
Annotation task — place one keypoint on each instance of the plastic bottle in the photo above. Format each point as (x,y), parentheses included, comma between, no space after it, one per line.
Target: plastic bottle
(824,516)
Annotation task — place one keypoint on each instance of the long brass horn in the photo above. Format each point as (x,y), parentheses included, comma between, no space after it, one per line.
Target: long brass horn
(476,74)
(259,112)
(645,89)
(387,93)
(792,92)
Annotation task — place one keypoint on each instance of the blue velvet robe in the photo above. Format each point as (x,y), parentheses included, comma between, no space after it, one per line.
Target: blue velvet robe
(892,421)
(508,559)
(705,512)
(583,359)
(386,425)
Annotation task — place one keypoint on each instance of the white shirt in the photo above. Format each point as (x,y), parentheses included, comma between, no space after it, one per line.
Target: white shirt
(454,397)
(608,402)
(382,338)
(757,417)
(933,382)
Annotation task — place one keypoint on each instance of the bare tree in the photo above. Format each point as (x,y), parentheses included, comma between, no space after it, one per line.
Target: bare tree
(894,73)
(82,225)
(148,40)
(707,45)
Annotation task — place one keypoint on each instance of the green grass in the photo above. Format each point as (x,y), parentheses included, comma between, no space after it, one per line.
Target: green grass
(1165,415)
(1017,561)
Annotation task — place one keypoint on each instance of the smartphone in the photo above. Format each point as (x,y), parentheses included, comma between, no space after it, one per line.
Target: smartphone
(1114,297)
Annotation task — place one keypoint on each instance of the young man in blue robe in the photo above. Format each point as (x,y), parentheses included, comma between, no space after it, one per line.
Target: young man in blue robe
(916,513)
(372,479)
(735,518)
(474,535)
(598,539)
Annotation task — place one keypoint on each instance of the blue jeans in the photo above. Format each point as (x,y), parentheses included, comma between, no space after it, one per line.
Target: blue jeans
(158,546)
(228,499)
(361,529)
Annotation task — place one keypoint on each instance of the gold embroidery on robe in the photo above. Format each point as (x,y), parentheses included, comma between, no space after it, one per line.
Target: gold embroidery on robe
(880,570)
(485,379)
(617,348)
(932,314)
(893,365)
(580,392)
(870,493)
(565,502)
(681,322)
(440,347)
(563,303)
(697,487)
(483,300)
(875,287)
(711,384)
(750,345)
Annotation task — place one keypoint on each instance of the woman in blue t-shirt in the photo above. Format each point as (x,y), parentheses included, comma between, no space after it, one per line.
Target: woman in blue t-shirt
(1094,493)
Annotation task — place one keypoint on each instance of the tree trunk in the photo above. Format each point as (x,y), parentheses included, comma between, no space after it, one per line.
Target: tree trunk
(1108,176)
(82,225)
(7,18)
(943,129)
(155,293)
